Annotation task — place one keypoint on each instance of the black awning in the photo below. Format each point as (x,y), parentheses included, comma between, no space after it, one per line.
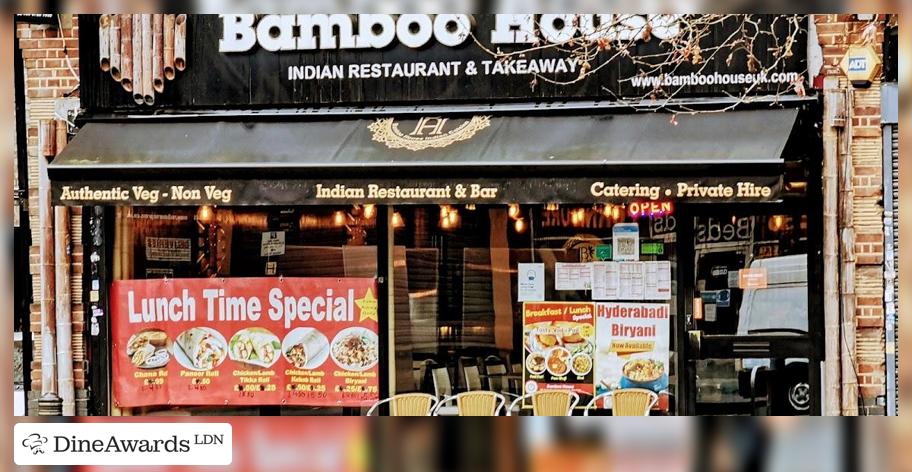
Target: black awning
(737,137)
(287,162)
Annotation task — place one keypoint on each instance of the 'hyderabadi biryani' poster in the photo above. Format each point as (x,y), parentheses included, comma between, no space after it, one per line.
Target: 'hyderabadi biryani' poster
(250,341)
(633,349)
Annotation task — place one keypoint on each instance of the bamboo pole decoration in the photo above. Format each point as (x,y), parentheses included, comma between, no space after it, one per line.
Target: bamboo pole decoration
(128,247)
(104,42)
(180,42)
(137,60)
(148,92)
(833,107)
(848,295)
(60,136)
(158,78)
(64,315)
(126,52)
(47,135)
(114,38)
(168,40)
(117,264)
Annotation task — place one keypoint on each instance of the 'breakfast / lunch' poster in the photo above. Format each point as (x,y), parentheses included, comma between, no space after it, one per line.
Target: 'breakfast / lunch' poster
(633,346)
(558,340)
(249,341)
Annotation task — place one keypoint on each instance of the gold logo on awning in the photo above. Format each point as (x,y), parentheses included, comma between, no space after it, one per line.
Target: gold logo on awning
(427,132)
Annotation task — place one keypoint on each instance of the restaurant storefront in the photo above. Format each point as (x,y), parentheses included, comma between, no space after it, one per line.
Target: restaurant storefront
(281,229)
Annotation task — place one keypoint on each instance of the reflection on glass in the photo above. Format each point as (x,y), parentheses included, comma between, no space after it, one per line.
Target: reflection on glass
(458,319)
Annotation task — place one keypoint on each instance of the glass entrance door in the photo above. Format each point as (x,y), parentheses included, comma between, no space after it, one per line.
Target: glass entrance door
(747,329)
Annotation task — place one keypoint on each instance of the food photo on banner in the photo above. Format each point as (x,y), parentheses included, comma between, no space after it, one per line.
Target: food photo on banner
(251,341)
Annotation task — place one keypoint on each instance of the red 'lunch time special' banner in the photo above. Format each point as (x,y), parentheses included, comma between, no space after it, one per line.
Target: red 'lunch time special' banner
(247,341)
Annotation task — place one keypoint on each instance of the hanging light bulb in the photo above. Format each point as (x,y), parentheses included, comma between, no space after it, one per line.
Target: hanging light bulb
(398,222)
(205,215)
(578,216)
(608,210)
(519,225)
(615,213)
(339,218)
(449,217)
(776,223)
(369,210)
(470,206)
(551,206)
(513,210)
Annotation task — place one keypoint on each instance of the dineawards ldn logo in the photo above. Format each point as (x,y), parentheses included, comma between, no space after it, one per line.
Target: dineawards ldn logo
(35,442)
(122,443)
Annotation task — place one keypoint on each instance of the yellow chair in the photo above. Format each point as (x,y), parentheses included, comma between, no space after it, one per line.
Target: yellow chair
(408,404)
(627,402)
(474,403)
(549,402)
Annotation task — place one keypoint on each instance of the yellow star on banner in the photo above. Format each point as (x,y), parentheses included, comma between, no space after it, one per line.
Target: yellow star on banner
(368,306)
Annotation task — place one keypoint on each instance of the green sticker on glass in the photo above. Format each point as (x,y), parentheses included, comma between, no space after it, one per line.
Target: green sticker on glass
(652,249)
(603,252)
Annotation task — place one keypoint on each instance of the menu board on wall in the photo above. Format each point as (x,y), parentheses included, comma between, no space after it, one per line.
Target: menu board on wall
(249,341)
(633,346)
(558,340)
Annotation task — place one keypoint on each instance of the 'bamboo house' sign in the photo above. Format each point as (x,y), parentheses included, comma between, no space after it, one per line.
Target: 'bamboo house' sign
(142,51)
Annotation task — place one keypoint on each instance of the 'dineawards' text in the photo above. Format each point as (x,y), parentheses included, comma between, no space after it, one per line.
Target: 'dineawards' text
(140,193)
(116,445)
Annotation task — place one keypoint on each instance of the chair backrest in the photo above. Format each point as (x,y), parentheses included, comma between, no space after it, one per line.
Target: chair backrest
(496,380)
(632,402)
(479,403)
(516,369)
(412,404)
(407,404)
(554,402)
(442,385)
(472,377)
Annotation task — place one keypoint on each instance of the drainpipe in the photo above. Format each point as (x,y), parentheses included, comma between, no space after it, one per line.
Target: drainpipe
(64,315)
(889,113)
(50,403)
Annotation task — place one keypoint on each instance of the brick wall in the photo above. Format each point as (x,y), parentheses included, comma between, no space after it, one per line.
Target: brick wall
(836,33)
(51,60)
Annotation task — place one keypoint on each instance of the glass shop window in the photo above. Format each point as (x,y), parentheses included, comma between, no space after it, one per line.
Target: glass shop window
(459,319)
(197,242)
(751,274)
(752,280)
(187,242)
